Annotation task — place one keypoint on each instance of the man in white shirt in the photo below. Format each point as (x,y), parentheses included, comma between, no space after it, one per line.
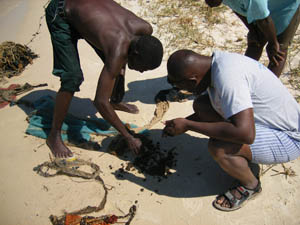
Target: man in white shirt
(248,114)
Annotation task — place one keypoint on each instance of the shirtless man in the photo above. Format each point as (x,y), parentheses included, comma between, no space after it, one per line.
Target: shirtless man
(248,115)
(119,37)
(270,22)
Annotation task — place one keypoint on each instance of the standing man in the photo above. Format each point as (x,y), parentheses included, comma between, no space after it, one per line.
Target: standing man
(271,22)
(248,115)
(119,37)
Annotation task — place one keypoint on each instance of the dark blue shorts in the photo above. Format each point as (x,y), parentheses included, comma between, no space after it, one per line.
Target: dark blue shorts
(65,53)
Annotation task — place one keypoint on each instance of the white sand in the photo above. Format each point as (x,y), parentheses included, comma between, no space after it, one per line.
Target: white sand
(183,198)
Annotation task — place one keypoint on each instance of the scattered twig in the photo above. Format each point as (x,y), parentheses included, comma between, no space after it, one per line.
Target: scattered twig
(286,171)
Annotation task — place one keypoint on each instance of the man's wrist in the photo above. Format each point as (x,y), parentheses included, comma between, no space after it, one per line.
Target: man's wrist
(187,124)
(128,136)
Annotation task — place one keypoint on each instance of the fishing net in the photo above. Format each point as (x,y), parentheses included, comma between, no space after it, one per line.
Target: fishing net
(14,58)
(72,169)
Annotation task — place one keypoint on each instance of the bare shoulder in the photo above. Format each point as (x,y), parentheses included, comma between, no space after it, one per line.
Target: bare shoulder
(115,47)
(104,15)
(139,26)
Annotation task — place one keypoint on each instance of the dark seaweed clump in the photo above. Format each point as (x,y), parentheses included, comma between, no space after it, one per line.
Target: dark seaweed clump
(151,160)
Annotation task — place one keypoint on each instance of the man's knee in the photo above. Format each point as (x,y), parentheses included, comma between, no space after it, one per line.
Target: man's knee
(201,103)
(196,106)
(71,82)
(214,149)
(204,110)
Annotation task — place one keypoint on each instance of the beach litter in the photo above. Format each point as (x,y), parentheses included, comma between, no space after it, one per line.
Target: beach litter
(286,171)
(8,95)
(56,167)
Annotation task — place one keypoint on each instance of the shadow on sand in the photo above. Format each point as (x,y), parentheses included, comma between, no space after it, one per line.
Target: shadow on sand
(145,90)
(197,174)
(81,107)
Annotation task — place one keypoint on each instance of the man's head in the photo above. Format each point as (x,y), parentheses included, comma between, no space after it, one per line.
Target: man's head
(145,53)
(186,69)
(213,3)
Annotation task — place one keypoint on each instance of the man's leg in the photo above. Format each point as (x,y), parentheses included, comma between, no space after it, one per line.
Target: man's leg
(203,110)
(54,141)
(232,158)
(253,51)
(256,43)
(255,39)
(285,39)
(118,94)
(66,66)
(119,89)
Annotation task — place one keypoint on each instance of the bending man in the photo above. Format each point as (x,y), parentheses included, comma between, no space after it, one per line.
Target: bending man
(119,37)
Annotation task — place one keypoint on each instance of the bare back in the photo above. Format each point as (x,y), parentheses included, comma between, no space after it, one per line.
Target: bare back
(105,23)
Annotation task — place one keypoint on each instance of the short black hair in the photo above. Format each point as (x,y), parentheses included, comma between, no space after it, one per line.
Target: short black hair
(150,50)
(177,62)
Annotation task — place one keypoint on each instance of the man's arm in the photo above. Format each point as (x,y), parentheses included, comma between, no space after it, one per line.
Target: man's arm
(113,66)
(240,129)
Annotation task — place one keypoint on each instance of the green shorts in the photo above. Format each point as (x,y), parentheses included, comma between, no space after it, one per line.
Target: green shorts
(65,53)
(285,38)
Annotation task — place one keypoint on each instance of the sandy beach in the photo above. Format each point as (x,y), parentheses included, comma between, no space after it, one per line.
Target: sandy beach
(184,197)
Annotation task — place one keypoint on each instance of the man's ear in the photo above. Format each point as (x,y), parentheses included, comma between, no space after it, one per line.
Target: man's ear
(192,80)
(133,51)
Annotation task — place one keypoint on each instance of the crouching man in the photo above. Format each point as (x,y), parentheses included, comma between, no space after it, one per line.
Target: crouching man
(247,113)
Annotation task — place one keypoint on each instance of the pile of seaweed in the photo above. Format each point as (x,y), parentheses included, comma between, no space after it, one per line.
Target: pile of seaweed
(14,58)
(151,159)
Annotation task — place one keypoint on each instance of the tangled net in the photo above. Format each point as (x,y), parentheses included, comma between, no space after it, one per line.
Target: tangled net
(14,58)
(71,168)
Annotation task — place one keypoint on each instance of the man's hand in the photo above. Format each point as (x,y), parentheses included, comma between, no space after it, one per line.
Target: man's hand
(274,53)
(134,144)
(267,27)
(174,127)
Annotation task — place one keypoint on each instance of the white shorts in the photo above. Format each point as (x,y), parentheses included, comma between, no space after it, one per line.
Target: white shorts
(273,146)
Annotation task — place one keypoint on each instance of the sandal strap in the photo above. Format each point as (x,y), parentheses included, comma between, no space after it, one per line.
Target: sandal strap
(230,197)
(243,191)
(247,191)
(245,194)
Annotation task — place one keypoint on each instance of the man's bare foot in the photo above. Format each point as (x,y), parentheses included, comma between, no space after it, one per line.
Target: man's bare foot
(125,107)
(57,147)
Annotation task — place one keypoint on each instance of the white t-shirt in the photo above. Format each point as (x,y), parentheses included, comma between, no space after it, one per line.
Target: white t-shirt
(239,82)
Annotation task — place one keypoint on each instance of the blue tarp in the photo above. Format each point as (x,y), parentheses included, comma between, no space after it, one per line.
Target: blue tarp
(74,130)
